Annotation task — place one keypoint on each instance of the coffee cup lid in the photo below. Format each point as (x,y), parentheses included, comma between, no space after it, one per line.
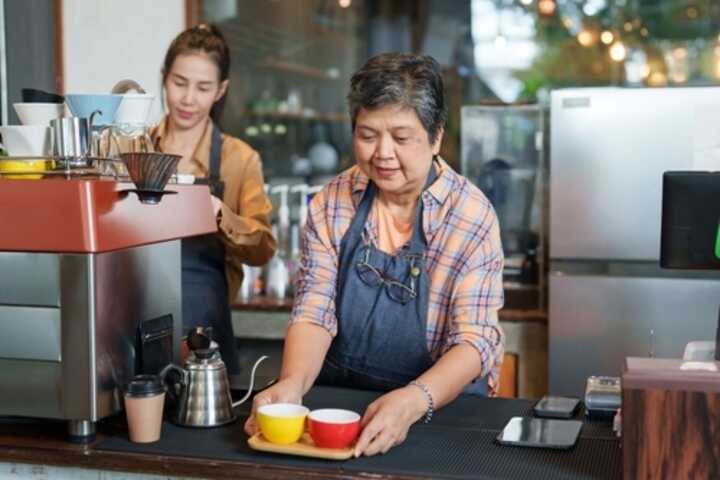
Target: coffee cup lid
(144,386)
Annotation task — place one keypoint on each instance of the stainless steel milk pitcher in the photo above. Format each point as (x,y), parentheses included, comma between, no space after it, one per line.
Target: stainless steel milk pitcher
(72,139)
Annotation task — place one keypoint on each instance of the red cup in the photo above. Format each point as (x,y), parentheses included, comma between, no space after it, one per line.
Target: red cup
(333,427)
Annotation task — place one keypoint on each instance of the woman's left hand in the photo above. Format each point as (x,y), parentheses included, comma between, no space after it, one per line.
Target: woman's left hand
(216,205)
(387,420)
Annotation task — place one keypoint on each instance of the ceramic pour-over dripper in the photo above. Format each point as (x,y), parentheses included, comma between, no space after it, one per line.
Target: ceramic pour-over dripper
(82,105)
(150,172)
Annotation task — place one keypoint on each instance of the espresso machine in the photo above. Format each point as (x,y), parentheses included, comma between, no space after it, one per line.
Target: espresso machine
(89,278)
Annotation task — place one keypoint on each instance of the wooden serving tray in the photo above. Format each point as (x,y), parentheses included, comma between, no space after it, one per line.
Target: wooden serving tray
(304,448)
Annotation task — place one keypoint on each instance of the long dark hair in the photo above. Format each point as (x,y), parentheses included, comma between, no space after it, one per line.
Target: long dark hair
(208,39)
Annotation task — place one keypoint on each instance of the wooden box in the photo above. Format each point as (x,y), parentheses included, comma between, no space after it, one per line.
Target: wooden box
(670,420)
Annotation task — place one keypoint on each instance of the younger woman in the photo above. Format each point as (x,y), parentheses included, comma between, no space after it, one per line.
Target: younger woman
(195,80)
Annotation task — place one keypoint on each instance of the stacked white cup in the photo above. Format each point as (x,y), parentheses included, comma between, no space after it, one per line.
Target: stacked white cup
(32,138)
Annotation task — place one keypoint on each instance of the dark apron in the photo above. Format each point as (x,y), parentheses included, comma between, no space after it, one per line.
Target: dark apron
(381,307)
(204,284)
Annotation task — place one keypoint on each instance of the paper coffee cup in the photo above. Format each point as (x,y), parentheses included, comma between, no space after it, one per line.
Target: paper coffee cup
(144,400)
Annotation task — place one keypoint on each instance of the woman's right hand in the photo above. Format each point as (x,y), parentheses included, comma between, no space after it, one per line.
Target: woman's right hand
(287,390)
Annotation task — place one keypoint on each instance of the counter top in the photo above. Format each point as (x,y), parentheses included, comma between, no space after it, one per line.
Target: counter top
(458,443)
(521,304)
(671,374)
(92,216)
(266,304)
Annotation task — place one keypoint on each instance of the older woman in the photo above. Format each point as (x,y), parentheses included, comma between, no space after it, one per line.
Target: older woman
(401,270)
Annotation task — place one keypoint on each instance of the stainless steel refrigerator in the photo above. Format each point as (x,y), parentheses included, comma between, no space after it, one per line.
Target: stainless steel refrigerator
(608,296)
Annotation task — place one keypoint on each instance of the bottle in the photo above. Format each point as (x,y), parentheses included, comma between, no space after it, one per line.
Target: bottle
(294,257)
(277,278)
(246,291)
(302,189)
(323,156)
(283,224)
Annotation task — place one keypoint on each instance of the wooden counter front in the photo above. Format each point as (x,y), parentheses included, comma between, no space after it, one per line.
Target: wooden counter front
(91,216)
(670,420)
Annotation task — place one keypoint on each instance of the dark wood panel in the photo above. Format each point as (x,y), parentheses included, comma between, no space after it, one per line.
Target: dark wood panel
(670,434)
(192,12)
(58,45)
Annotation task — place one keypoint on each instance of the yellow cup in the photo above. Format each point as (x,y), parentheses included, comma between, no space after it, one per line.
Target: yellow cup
(282,422)
(23,167)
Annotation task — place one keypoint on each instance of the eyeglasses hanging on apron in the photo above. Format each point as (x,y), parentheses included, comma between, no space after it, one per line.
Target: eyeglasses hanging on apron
(396,290)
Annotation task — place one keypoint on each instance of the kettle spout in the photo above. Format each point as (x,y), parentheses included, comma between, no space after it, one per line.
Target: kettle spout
(252,382)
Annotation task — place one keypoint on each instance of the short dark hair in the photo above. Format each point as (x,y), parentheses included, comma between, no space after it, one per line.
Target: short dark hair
(205,38)
(405,79)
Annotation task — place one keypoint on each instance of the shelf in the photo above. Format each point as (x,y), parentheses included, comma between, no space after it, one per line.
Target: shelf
(261,302)
(271,305)
(319,116)
(299,69)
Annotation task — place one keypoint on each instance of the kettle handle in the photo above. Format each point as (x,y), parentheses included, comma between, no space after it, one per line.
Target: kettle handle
(252,382)
(183,378)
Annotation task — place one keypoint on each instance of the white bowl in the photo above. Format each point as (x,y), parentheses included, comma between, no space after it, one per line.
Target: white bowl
(26,140)
(38,113)
(134,108)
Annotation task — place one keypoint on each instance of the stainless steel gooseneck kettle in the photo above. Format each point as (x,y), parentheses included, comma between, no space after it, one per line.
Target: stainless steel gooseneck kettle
(204,390)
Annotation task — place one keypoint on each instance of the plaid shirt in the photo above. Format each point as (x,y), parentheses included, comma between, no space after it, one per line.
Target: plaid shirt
(464,259)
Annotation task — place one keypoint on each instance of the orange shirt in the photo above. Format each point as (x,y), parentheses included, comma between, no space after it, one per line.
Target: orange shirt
(245,219)
(392,234)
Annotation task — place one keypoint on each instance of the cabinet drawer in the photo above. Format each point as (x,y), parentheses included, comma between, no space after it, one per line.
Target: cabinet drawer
(30,279)
(30,333)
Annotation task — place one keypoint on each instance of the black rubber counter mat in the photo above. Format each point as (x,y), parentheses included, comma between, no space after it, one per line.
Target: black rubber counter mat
(437,452)
(467,411)
(458,444)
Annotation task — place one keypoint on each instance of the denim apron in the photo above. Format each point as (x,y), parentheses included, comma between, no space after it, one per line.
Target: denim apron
(381,307)
(204,285)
